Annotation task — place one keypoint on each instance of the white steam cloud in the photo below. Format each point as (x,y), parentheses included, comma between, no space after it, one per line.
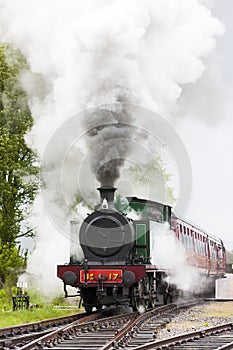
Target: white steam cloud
(173,258)
(99,54)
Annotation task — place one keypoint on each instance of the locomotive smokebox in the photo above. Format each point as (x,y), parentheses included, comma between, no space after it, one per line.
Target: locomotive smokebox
(107,194)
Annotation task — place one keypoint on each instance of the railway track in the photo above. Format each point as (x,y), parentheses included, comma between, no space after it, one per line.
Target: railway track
(89,335)
(116,332)
(212,338)
(15,336)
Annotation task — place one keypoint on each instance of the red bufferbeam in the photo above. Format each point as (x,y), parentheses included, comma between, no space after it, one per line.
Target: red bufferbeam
(109,275)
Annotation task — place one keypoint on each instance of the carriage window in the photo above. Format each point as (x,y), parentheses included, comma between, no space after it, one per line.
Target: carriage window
(215,251)
(181,239)
(191,243)
(198,247)
(201,245)
(220,254)
(212,254)
(187,240)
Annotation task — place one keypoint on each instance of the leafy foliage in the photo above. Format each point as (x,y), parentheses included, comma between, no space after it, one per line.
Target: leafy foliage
(154,172)
(18,170)
(11,264)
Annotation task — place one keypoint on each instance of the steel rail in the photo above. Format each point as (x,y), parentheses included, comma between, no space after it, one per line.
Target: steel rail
(91,324)
(34,326)
(135,323)
(59,331)
(188,336)
(129,329)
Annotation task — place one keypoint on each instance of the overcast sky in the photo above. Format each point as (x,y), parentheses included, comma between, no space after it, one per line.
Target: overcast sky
(206,127)
(202,115)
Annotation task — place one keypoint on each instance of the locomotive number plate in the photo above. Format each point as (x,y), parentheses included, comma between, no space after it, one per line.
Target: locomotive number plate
(93,276)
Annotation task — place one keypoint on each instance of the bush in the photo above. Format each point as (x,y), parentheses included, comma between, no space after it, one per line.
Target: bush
(5,300)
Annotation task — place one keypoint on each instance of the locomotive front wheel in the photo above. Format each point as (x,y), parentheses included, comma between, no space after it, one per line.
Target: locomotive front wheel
(88,309)
(153,302)
(146,303)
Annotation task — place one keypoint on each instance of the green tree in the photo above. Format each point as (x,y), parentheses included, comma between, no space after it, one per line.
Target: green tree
(11,264)
(18,169)
(155,174)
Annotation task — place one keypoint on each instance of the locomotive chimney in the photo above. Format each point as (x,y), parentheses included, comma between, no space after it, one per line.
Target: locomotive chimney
(107,194)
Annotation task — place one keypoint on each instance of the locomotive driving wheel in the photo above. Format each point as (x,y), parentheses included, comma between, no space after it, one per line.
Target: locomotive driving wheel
(99,307)
(146,303)
(151,291)
(148,294)
(153,301)
(137,298)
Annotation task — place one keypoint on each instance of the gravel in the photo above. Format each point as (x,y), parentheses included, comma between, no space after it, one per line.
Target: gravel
(197,318)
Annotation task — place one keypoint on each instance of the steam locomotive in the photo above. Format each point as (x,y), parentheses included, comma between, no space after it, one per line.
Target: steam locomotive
(119,264)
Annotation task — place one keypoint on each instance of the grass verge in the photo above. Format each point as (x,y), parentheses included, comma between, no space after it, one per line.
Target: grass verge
(13,318)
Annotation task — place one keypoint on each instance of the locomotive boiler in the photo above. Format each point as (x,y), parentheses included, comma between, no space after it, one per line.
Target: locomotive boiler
(119,265)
